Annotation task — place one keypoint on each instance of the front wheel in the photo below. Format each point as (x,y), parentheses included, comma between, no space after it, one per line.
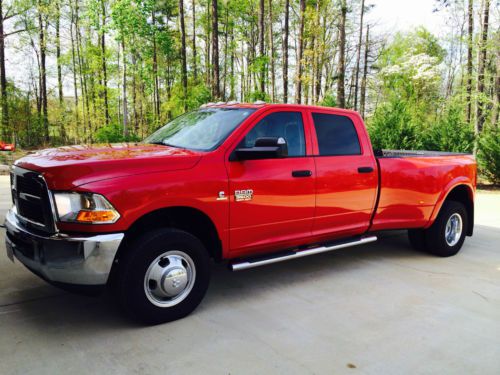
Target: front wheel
(446,235)
(163,276)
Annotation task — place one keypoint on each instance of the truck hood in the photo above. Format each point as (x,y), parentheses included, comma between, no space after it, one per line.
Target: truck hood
(68,167)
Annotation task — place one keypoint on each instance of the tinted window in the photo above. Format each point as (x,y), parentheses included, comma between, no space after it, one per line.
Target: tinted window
(280,124)
(336,135)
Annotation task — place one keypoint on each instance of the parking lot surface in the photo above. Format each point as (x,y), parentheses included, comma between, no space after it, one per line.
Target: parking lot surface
(376,309)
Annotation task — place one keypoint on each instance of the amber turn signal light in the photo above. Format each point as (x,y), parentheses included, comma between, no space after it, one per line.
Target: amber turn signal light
(96,216)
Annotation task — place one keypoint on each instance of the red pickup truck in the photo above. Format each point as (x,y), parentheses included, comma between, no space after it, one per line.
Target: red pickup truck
(250,184)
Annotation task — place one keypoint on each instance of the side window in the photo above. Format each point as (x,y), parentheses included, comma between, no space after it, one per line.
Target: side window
(280,124)
(336,135)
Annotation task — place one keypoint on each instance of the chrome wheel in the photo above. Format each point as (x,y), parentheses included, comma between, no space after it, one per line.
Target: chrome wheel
(453,229)
(169,278)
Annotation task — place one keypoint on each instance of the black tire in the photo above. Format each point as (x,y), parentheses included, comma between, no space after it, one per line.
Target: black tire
(140,254)
(435,236)
(433,240)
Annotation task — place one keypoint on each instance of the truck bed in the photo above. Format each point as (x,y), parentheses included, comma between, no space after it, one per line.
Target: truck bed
(412,182)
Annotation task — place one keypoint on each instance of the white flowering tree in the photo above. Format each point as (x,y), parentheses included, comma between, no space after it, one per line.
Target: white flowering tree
(410,67)
(410,113)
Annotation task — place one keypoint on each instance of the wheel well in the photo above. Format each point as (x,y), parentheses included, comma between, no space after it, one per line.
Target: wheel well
(463,194)
(188,219)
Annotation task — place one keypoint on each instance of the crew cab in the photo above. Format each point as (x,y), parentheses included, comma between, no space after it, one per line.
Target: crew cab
(248,184)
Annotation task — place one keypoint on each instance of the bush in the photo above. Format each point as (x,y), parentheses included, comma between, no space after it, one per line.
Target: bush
(489,154)
(113,133)
(450,132)
(329,101)
(392,127)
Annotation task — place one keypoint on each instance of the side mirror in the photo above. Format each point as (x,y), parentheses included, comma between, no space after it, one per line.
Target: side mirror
(264,148)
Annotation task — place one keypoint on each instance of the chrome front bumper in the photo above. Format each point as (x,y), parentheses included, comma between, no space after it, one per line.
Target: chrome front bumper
(61,258)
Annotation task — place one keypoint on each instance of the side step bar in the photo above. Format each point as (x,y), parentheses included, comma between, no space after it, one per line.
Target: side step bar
(298,254)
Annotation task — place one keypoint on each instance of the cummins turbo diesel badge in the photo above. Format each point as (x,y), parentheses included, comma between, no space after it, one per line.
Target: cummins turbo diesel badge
(243,195)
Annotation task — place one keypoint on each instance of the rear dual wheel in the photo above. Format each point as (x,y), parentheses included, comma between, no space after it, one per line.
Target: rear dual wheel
(163,276)
(446,235)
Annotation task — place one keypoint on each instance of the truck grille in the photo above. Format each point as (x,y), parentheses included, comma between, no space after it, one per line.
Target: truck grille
(32,201)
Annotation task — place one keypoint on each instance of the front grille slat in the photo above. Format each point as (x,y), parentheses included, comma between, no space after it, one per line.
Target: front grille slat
(32,200)
(29,185)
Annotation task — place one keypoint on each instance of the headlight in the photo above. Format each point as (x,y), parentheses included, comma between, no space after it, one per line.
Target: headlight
(84,208)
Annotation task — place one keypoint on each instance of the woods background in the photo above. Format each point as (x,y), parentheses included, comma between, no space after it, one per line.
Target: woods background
(115,70)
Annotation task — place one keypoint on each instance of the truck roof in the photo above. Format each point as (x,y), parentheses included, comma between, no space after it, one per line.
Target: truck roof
(261,104)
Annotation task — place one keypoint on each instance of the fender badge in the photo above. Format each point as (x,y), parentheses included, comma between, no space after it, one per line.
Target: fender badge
(243,195)
(221,196)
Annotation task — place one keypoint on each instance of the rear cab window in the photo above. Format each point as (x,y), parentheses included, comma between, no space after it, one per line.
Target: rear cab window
(336,135)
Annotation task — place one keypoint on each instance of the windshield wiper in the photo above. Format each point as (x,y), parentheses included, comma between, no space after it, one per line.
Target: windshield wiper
(163,144)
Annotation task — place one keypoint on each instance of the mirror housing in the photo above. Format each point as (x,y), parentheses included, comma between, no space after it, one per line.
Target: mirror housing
(264,148)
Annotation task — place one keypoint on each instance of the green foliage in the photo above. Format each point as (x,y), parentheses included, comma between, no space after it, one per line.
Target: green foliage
(397,125)
(416,95)
(258,95)
(411,114)
(489,154)
(409,68)
(419,41)
(450,132)
(113,133)
(329,101)
(197,95)
(391,127)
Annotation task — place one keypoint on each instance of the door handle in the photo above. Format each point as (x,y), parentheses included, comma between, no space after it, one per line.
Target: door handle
(305,173)
(365,170)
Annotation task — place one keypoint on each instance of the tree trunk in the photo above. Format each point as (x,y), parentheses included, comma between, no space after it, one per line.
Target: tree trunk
(226,36)
(103,62)
(285,51)
(58,53)
(134,92)
(496,87)
(83,77)
(271,52)
(124,91)
(232,94)
(156,85)
(320,62)
(215,52)
(59,70)
(298,92)
(261,48)
(3,79)
(183,54)
(73,61)
(341,62)
(208,62)
(43,73)
(365,72)
(316,52)
(480,116)
(468,98)
(358,56)
(195,69)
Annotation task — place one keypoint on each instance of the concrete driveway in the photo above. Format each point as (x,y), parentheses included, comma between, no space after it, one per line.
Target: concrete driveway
(376,309)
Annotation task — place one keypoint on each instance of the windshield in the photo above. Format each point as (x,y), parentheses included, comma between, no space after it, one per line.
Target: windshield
(203,130)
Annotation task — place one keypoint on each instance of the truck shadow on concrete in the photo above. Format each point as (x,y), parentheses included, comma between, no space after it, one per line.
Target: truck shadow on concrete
(84,315)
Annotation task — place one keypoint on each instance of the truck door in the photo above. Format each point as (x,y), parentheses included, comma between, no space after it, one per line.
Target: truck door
(346,174)
(272,200)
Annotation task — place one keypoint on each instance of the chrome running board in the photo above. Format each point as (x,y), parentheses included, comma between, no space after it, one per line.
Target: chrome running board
(301,253)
